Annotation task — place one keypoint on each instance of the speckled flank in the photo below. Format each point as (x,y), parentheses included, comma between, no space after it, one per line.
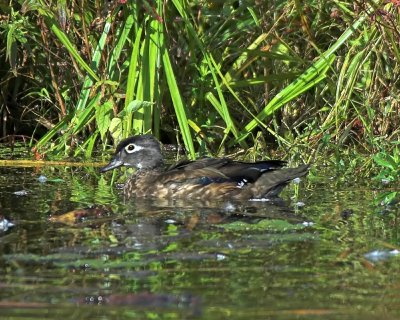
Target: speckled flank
(139,188)
(156,185)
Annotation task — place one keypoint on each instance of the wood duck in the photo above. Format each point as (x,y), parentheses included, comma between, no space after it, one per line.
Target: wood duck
(207,178)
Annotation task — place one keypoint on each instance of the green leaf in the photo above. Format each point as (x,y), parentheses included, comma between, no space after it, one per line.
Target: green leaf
(103,117)
(115,129)
(384,161)
(136,105)
(386,198)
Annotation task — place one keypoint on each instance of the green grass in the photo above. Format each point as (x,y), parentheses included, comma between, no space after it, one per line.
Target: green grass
(214,75)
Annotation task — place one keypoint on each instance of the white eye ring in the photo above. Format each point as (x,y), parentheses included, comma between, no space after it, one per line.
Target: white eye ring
(131,148)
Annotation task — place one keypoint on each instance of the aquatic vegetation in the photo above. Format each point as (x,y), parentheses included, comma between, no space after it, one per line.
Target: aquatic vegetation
(389,165)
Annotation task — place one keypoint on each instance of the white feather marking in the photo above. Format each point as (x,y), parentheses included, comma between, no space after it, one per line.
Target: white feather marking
(242,183)
(135,148)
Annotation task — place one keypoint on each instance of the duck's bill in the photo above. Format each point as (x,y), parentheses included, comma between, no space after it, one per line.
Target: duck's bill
(112,165)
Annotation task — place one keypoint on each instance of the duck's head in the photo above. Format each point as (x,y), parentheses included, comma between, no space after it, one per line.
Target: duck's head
(141,152)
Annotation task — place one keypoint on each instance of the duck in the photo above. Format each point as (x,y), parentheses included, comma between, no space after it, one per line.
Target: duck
(205,178)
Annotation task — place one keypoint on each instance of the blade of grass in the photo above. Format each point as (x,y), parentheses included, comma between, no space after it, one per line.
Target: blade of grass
(308,79)
(132,80)
(214,70)
(116,53)
(176,98)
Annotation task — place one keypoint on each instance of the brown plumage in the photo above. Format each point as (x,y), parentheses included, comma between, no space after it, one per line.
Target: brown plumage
(206,178)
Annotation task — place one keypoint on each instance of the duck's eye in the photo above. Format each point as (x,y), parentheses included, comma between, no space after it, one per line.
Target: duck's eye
(130,148)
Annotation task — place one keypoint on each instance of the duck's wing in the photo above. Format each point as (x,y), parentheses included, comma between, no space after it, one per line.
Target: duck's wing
(199,172)
(272,182)
(245,172)
(227,164)
(202,172)
(188,165)
(210,170)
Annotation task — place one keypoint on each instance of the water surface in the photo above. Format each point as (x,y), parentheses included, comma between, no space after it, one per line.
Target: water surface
(79,250)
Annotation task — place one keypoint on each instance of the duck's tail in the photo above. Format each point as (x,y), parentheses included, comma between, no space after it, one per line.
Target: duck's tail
(271,183)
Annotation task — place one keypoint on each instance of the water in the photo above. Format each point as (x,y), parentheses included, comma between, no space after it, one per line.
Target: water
(79,251)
